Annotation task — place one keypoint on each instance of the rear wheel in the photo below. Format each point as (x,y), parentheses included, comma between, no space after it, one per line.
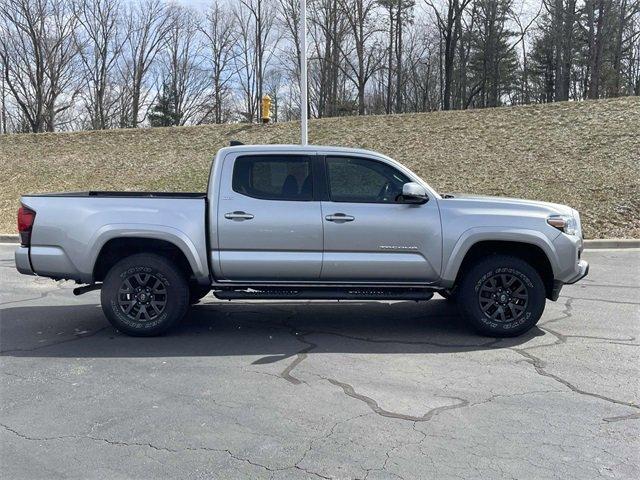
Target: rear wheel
(144,295)
(502,296)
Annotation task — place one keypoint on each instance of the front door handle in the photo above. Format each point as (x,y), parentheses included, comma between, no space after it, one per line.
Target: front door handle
(339,217)
(238,216)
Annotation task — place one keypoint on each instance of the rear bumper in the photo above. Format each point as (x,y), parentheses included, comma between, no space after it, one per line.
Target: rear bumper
(23,264)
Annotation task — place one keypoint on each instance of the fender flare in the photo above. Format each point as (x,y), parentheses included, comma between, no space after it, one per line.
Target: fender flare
(156,232)
(472,236)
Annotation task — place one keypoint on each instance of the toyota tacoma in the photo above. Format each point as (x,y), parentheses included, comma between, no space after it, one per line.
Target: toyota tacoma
(303,222)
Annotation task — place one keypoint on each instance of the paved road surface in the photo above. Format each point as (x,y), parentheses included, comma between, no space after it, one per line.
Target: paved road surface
(321,389)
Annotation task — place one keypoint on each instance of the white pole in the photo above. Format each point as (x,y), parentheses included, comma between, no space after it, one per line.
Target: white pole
(303,72)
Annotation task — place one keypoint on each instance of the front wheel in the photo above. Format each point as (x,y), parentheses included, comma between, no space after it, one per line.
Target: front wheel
(502,296)
(144,295)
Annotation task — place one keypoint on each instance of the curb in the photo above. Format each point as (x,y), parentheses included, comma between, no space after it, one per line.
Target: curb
(596,244)
(6,238)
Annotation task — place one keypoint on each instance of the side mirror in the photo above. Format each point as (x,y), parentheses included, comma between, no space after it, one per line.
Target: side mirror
(414,193)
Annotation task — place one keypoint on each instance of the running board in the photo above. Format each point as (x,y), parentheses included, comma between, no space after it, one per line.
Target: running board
(325,294)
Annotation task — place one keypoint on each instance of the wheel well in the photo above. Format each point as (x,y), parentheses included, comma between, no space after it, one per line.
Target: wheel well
(530,253)
(118,248)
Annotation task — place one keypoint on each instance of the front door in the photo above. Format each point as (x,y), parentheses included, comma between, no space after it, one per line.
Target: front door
(368,235)
(269,225)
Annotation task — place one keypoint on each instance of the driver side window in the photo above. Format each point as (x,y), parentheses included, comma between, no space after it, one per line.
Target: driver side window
(359,180)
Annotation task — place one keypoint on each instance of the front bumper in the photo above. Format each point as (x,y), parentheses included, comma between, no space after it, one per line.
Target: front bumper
(23,263)
(583,271)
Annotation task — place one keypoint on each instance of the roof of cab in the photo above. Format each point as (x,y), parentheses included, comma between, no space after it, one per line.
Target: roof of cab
(296,148)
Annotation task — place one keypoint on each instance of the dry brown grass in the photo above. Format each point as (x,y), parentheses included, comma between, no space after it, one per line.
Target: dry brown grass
(585,154)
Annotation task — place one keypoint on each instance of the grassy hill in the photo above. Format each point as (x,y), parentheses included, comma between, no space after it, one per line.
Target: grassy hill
(584,154)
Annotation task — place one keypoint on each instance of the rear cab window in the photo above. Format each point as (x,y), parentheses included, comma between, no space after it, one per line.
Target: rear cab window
(274,177)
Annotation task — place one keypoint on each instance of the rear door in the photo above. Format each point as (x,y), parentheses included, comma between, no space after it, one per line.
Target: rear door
(368,235)
(269,224)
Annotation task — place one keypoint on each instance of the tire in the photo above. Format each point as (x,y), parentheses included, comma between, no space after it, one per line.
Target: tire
(158,298)
(197,293)
(502,296)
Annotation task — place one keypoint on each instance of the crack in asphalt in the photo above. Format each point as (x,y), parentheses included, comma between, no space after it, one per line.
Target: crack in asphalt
(606,285)
(593,299)
(300,357)
(488,344)
(375,407)
(302,354)
(118,443)
(47,345)
(88,437)
(325,437)
(42,295)
(539,366)
(59,286)
(388,453)
(567,312)
(623,343)
(621,418)
(561,338)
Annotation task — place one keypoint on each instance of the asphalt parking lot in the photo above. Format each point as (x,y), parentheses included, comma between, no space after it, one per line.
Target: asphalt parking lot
(321,389)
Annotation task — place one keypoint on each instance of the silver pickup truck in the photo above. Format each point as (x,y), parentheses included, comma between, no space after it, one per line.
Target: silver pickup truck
(292,222)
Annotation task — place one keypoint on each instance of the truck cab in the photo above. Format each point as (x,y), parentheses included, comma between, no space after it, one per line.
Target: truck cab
(323,215)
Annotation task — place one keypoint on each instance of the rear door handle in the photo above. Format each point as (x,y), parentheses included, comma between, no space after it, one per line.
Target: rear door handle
(238,216)
(339,217)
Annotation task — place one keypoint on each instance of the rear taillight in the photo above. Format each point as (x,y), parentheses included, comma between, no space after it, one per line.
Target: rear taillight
(26,216)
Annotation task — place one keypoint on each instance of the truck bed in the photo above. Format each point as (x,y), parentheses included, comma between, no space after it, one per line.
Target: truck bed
(125,194)
(71,228)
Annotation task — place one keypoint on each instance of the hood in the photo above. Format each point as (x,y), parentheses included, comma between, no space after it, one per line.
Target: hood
(506,203)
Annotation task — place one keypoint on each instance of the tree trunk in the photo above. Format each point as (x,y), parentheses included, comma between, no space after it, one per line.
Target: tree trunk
(567,47)
(399,106)
(596,59)
(388,100)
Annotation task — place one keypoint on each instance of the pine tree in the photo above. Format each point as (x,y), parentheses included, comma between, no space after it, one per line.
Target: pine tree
(164,112)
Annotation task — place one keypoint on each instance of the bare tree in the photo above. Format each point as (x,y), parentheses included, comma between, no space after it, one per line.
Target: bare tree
(328,31)
(72,64)
(38,53)
(3,94)
(448,21)
(100,42)
(220,32)
(261,19)
(363,55)
(148,24)
(184,67)
(289,12)
(518,17)
(245,63)
(421,60)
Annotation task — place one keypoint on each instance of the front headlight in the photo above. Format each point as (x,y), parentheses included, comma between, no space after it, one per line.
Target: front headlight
(565,223)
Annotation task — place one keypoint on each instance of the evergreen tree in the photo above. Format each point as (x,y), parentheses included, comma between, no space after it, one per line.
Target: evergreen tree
(164,112)
(493,63)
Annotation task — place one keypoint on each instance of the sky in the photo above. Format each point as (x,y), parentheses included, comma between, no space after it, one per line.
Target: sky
(199,4)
